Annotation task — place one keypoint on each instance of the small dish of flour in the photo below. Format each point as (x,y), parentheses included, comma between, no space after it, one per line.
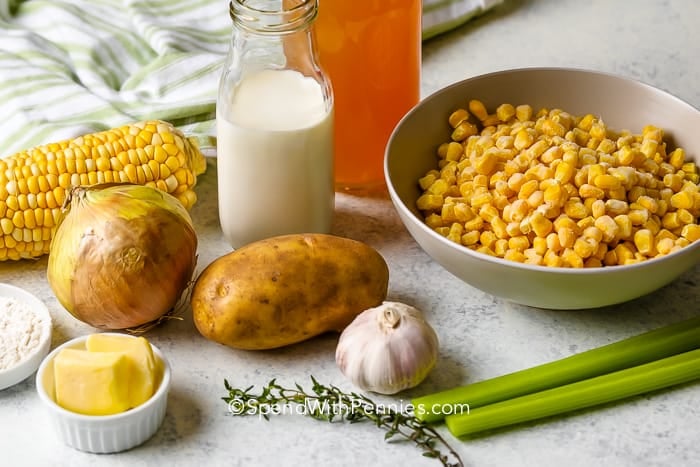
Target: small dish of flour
(25,334)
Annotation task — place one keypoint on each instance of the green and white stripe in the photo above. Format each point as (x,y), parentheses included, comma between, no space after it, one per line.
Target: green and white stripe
(442,15)
(70,67)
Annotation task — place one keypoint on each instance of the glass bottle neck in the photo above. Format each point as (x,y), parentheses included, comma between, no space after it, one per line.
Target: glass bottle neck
(264,17)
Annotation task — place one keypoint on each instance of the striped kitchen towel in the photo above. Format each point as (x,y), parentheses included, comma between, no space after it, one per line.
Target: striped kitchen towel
(70,67)
(442,15)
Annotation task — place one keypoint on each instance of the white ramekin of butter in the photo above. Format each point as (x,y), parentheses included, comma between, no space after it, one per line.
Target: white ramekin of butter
(105,392)
(25,334)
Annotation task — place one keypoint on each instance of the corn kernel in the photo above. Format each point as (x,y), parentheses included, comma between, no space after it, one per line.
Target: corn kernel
(516,181)
(648,147)
(682,242)
(653,224)
(487,238)
(540,224)
(553,243)
(470,238)
(638,216)
(567,237)
(480,199)
(648,203)
(593,233)
(588,220)
(513,229)
(478,109)
(664,246)
(689,167)
(553,194)
(527,189)
(463,131)
(650,166)
(624,253)
(514,255)
(481,180)
(548,210)
(682,200)
(505,112)
(685,217)
(690,186)
(499,227)
(454,151)
(570,258)
(552,259)
(691,232)
(486,164)
(608,228)
(474,224)
(552,154)
(455,232)
(488,212)
(553,128)
(575,209)
(500,246)
(434,221)
(670,221)
(501,187)
(591,191)
(457,117)
(532,257)
(535,199)
(523,113)
(519,243)
(597,208)
(524,225)
(463,212)
(537,149)
(429,202)
(539,245)
(644,241)
(485,250)
(444,231)
(624,224)
(665,169)
(592,262)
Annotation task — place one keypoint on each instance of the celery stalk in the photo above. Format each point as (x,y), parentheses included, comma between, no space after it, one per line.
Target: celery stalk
(653,345)
(629,382)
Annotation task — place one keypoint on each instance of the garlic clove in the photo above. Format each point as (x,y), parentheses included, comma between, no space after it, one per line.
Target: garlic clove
(387,349)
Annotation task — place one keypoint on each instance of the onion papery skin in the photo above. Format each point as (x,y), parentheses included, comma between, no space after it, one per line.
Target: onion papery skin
(122,255)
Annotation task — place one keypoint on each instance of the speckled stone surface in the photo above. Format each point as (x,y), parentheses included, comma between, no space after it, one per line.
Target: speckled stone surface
(654,41)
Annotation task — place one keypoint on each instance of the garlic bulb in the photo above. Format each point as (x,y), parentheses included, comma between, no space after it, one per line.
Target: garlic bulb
(387,349)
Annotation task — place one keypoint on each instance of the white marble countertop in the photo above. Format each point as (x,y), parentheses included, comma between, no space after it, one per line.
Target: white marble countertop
(657,42)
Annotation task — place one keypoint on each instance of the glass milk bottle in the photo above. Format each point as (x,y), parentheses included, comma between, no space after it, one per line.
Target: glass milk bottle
(274,125)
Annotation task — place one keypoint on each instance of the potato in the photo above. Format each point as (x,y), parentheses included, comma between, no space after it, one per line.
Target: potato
(287,289)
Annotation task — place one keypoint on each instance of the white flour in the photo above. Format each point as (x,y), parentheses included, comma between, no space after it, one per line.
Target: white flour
(20,331)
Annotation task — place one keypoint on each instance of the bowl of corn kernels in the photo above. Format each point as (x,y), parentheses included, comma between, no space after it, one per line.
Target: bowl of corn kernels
(549,187)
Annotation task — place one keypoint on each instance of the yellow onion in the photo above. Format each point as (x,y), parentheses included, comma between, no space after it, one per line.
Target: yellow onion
(122,255)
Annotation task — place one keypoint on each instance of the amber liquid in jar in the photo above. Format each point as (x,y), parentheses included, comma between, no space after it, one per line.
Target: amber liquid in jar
(372,53)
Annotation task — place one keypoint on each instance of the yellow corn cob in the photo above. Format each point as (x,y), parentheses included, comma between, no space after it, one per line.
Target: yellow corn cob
(33,183)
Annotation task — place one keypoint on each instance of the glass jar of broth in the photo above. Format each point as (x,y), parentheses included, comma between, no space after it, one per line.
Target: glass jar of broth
(372,54)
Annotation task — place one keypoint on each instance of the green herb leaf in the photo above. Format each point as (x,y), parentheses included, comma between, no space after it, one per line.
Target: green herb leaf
(326,402)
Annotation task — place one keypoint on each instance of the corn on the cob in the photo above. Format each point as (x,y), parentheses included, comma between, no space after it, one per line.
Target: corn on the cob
(33,183)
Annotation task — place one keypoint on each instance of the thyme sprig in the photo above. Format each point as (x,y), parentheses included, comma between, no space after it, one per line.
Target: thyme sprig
(329,403)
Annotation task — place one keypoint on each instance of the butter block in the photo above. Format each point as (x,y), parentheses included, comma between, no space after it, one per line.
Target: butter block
(139,352)
(92,383)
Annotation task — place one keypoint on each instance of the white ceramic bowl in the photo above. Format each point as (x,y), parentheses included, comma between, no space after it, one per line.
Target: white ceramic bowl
(104,433)
(622,103)
(30,363)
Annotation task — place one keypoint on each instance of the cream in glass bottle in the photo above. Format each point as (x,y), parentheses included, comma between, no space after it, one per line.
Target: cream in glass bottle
(274,125)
